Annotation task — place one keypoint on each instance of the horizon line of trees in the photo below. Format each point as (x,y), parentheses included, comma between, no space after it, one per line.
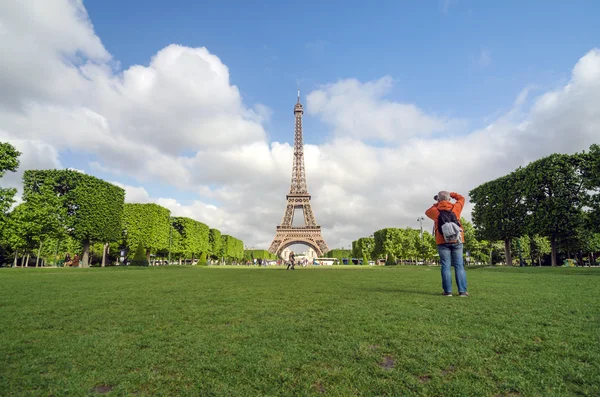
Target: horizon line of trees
(551,207)
(65,211)
(556,198)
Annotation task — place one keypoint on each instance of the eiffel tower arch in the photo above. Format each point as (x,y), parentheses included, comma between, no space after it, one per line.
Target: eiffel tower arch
(298,198)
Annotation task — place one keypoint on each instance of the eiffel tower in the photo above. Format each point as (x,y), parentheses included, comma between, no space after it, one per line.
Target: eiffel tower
(298,197)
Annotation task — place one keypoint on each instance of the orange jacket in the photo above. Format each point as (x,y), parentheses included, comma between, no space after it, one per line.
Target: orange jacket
(434,212)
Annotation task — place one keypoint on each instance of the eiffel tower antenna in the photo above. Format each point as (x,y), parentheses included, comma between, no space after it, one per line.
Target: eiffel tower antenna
(298,198)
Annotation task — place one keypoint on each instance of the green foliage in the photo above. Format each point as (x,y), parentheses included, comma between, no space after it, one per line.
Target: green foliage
(339,254)
(363,247)
(231,248)
(214,239)
(87,208)
(139,258)
(426,248)
(202,260)
(407,245)
(147,224)
(591,177)
(500,211)
(9,161)
(386,242)
(190,237)
(555,197)
(477,249)
(259,254)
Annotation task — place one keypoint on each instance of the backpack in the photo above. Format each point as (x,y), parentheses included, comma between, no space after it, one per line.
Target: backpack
(449,226)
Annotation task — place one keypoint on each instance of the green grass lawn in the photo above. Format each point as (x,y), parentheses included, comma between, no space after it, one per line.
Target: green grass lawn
(324,331)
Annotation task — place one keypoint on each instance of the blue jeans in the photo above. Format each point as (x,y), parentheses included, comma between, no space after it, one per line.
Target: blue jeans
(451,254)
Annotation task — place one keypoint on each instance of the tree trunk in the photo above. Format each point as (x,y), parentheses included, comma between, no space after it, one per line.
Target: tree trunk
(179,260)
(85,259)
(148,255)
(37,259)
(553,255)
(15,262)
(104,253)
(507,252)
(540,260)
(27,260)
(23,260)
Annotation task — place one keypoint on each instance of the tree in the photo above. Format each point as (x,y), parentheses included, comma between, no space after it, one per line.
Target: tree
(15,233)
(425,246)
(476,248)
(139,259)
(191,237)
(88,209)
(147,224)
(386,244)
(556,195)
(232,249)
(500,210)
(9,161)
(538,247)
(214,239)
(591,180)
(363,248)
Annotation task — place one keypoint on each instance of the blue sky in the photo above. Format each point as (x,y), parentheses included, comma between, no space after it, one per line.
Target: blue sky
(466,59)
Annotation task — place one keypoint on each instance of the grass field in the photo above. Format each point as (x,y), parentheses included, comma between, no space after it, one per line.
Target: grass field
(327,331)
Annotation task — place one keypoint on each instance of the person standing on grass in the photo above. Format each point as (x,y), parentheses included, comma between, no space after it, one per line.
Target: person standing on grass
(449,237)
(291,260)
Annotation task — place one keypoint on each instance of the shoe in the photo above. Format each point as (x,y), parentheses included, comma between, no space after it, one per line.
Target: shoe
(447,293)
(463,294)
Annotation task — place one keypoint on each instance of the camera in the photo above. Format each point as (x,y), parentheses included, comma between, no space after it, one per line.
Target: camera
(435,197)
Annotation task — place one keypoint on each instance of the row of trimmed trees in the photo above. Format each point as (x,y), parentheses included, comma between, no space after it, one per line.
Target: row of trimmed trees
(552,202)
(409,246)
(65,211)
(395,245)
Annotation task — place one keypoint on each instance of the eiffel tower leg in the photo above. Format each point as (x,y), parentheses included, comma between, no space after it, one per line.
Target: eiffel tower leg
(309,218)
(288,217)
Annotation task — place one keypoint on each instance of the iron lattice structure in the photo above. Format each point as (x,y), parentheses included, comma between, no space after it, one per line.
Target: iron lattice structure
(298,198)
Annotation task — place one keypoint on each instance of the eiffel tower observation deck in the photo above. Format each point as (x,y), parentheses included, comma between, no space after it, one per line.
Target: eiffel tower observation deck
(298,198)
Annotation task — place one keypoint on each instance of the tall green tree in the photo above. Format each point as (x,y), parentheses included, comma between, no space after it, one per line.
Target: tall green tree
(500,209)
(556,196)
(232,249)
(363,248)
(147,224)
(190,237)
(214,239)
(538,247)
(9,161)
(89,209)
(425,246)
(476,248)
(591,180)
(387,243)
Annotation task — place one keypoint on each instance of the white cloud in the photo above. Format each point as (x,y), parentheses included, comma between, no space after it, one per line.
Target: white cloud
(176,118)
(359,110)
